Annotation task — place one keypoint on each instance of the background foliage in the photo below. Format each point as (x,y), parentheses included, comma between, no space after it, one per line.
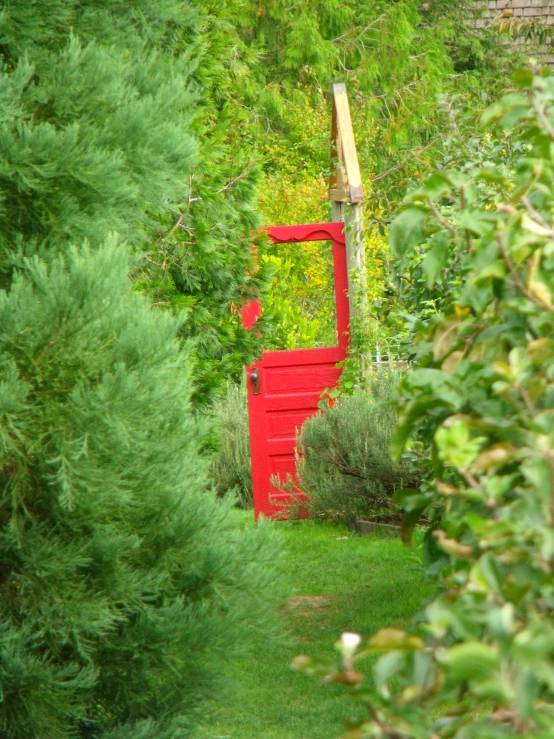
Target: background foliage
(200,262)
(396,58)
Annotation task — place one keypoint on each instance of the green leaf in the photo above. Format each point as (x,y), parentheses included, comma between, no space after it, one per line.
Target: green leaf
(472,660)
(491,175)
(406,230)
(438,185)
(527,692)
(496,270)
(387,666)
(470,193)
(413,412)
(459,179)
(409,522)
(485,574)
(537,472)
(508,111)
(540,350)
(495,690)
(501,621)
(436,257)
(403,496)
(427,377)
(386,639)
(523,78)
(475,221)
(445,337)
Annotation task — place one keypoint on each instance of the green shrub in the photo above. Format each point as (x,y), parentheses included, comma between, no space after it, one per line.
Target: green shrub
(344,465)
(479,665)
(231,470)
(123,582)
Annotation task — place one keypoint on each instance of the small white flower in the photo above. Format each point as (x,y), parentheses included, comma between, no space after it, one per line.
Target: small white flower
(349,642)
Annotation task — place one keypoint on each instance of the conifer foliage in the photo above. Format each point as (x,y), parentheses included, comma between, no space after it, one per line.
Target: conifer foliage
(121,580)
(95,116)
(120,576)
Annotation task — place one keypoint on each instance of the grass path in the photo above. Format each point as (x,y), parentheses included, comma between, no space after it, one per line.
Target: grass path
(337,582)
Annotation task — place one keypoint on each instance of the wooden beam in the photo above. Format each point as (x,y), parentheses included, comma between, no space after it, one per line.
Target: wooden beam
(346,195)
(345,182)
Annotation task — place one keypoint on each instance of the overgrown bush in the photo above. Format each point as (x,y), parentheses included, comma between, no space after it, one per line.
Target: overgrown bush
(231,470)
(344,464)
(480,665)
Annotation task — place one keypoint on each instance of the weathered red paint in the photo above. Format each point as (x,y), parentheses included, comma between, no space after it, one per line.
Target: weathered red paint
(291,382)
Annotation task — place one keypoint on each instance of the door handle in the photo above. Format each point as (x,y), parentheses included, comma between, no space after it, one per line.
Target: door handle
(255,380)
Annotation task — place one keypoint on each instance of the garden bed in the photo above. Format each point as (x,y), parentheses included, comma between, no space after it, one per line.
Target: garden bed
(365,527)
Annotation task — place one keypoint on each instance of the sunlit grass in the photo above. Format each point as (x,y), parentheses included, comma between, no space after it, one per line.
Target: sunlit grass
(336,582)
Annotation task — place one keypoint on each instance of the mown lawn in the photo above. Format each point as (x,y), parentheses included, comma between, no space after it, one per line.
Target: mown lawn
(337,582)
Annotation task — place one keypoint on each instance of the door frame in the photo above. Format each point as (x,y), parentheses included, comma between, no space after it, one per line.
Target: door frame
(334,232)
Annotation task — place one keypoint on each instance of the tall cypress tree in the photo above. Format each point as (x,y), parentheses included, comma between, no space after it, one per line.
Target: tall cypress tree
(121,580)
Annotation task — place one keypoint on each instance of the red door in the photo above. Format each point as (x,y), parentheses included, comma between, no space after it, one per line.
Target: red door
(285,387)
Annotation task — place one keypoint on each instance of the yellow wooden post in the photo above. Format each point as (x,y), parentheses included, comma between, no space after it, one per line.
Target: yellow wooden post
(346,195)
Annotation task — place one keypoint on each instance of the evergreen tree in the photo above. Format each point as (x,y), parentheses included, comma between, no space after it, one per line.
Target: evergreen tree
(121,579)
(95,125)
(115,120)
(122,583)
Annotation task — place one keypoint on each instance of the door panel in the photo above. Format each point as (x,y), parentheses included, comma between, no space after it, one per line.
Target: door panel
(291,382)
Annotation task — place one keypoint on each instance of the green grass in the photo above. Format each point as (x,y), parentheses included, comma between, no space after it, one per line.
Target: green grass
(336,582)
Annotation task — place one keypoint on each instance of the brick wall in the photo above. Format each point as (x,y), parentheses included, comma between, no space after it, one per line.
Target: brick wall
(521,8)
(543,9)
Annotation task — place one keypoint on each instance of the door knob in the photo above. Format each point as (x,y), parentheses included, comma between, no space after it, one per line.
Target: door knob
(255,380)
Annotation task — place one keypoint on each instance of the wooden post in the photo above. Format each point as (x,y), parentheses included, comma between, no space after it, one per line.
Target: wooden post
(346,195)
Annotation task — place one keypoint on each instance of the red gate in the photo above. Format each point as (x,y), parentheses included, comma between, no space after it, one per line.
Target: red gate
(285,387)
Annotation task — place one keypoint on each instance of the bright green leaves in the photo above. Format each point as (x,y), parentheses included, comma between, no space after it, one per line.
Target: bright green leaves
(437,257)
(471,661)
(474,249)
(507,112)
(456,446)
(406,230)
(485,575)
(540,350)
(479,412)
